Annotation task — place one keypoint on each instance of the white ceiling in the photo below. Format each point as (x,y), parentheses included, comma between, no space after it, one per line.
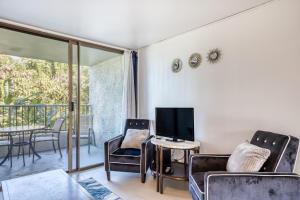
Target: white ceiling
(125,23)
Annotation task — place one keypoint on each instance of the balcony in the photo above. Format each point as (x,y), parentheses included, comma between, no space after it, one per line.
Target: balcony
(45,115)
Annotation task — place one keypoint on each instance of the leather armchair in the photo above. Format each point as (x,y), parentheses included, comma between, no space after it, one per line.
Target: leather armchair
(209,180)
(129,160)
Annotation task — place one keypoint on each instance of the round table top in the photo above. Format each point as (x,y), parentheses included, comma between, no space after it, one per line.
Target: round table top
(25,128)
(175,145)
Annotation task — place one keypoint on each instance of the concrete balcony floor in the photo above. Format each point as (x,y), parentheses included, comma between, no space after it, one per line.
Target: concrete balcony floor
(49,161)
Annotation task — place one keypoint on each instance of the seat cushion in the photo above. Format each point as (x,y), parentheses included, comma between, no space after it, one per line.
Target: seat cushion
(196,185)
(125,156)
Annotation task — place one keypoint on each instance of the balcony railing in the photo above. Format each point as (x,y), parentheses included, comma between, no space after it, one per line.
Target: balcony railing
(37,114)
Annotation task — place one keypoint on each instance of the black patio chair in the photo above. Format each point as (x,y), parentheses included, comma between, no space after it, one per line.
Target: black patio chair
(6,141)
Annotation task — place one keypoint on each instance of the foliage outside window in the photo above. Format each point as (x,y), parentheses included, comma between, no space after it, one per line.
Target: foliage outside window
(26,81)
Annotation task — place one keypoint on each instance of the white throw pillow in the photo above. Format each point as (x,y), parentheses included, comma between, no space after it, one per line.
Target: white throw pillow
(134,138)
(247,158)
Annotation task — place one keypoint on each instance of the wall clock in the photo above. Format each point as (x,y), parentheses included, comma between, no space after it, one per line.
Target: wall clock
(195,60)
(176,65)
(214,55)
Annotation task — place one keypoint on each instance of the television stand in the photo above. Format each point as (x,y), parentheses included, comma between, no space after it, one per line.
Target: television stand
(162,144)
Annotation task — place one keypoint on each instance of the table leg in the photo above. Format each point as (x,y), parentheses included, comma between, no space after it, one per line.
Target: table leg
(161,163)
(197,150)
(8,155)
(31,147)
(9,152)
(157,167)
(185,163)
(23,143)
(188,163)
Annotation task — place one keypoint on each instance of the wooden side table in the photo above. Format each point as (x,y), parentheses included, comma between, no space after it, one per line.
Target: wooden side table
(181,169)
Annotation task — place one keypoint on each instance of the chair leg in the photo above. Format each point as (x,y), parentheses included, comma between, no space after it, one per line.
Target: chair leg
(34,150)
(143,178)
(53,144)
(89,142)
(23,155)
(154,175)
(19,150)
(19,147)
(8,152)
(94,139)
(10,148)
(59,149)
(23,151)
(29,151)
(10,155)
(89,145)
(108,175)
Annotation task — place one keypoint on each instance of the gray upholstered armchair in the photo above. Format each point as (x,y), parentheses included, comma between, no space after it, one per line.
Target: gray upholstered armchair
(209,180)
(129,160)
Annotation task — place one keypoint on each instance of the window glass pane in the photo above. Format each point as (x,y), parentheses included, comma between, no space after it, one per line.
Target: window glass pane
(33,93)
(101,90)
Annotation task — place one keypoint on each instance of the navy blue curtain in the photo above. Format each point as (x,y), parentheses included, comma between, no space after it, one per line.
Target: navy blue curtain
(135,81)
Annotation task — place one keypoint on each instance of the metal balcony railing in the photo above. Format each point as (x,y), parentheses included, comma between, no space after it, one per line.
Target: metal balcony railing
(36,114)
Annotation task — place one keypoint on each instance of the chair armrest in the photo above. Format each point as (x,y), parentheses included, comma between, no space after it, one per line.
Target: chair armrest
(43,132)
(114,143)
(251,186)
(146,154)
(207,162)
(110,146)
(147,142)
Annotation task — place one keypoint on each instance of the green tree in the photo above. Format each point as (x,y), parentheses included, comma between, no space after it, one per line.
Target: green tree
(33,81)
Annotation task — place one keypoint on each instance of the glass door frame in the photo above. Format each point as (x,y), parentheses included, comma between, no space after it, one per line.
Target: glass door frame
(71,41)
(76,110)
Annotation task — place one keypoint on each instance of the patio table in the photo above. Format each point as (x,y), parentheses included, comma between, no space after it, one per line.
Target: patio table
(17,130)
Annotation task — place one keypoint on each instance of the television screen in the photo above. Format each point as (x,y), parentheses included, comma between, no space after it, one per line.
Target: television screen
(175,123)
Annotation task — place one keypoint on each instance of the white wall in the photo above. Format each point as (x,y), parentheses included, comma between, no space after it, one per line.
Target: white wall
(256,85)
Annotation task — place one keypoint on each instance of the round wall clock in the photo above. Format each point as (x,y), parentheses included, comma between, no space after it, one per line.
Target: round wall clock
(214,55)
(195,60)
(176,65)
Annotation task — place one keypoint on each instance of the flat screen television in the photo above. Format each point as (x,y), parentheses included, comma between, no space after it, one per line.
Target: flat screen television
(175,123)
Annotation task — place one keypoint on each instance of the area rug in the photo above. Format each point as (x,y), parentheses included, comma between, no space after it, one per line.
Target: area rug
(98,191)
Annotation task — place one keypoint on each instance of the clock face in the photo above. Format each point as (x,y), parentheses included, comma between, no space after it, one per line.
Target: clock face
(214,55)
(195,60)
(176,65)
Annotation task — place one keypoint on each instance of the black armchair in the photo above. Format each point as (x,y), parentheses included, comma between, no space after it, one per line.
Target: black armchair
(129,160)
(209,180)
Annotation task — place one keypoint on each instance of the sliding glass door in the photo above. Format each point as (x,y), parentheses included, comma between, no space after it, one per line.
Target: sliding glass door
(97,96)
(33,94)
(45,78)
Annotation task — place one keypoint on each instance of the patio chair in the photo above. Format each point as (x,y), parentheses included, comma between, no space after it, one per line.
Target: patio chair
(6,141)
(86,130)
(50,135)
